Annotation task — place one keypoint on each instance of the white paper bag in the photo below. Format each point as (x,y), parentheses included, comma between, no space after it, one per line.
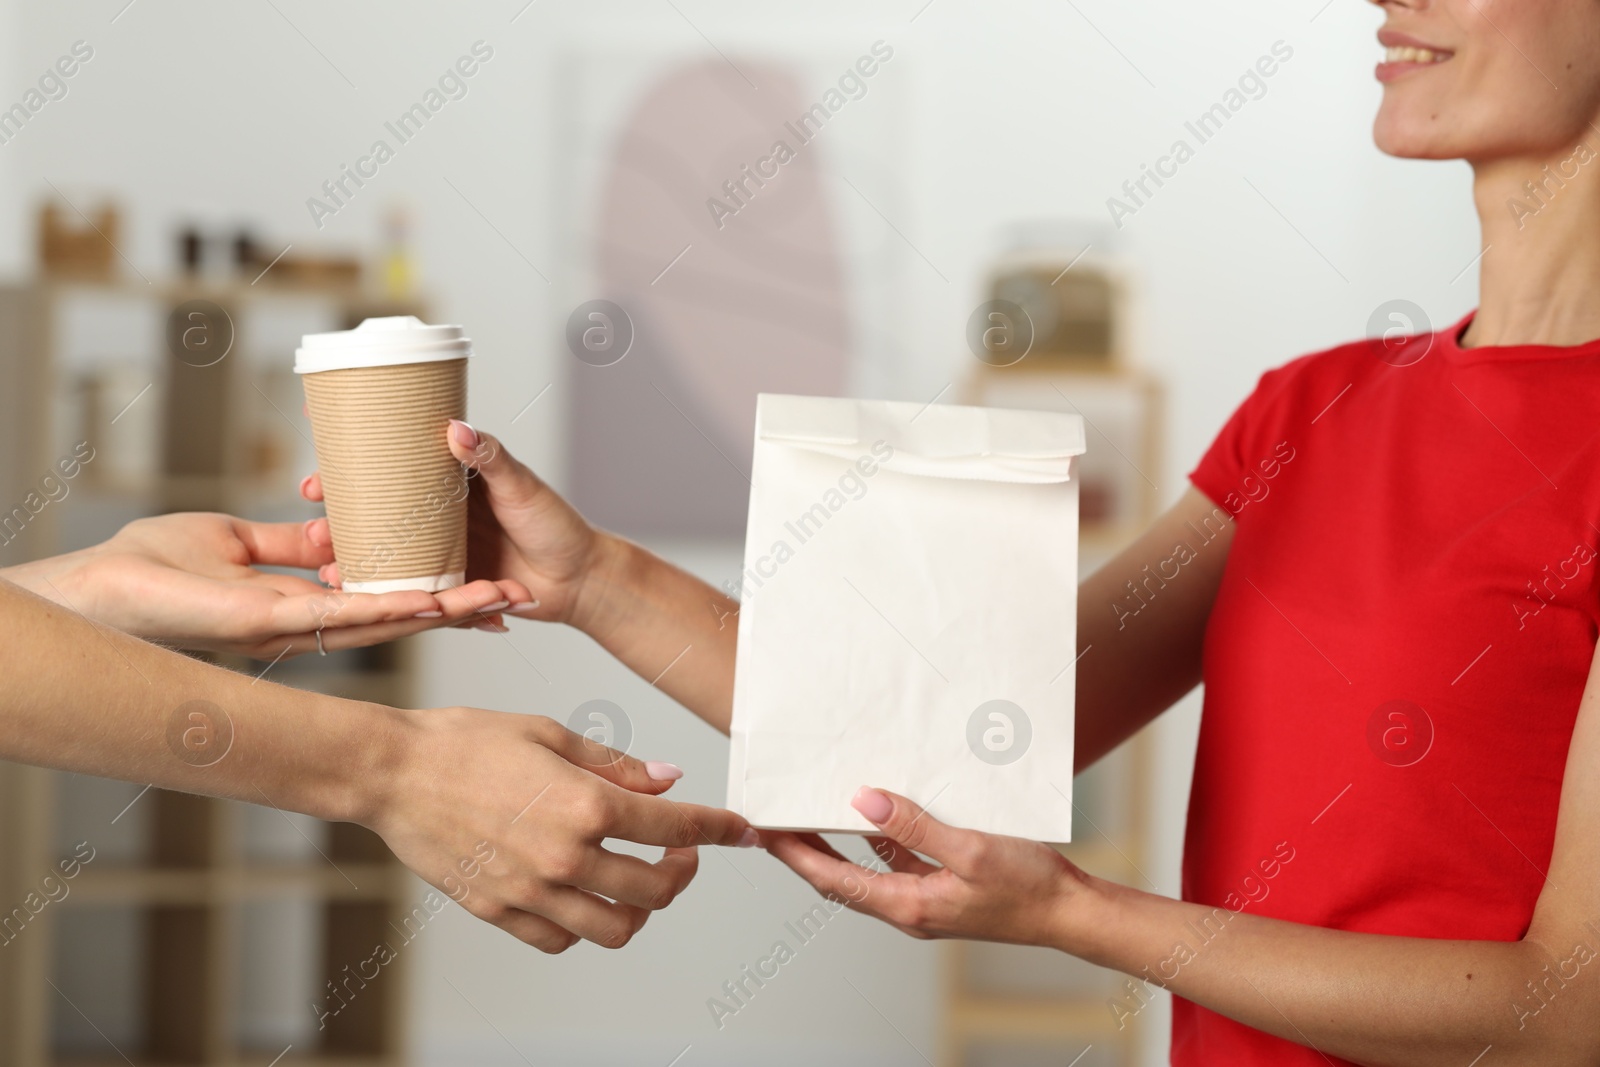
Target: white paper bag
(908,617)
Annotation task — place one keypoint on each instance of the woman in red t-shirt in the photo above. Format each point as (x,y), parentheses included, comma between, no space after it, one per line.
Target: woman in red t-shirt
(1386,577)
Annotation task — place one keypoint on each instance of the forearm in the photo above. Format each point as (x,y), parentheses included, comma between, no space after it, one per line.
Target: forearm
(83,697)
(680,634)
(1369,998)
(667,626)
(47,577)
(1142,621)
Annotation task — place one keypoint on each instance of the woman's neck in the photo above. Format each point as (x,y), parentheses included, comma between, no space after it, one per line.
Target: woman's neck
(1539,278)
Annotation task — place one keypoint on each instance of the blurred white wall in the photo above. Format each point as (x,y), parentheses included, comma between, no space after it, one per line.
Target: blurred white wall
(1281,236)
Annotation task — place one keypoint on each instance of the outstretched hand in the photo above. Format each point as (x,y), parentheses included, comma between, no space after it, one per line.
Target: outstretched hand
(194,579)
(519,840)
(984,887)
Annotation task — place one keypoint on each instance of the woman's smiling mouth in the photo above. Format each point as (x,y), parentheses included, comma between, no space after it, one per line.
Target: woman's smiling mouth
(1403,55)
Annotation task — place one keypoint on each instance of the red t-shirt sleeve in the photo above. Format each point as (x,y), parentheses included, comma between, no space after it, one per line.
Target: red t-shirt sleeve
(1252,442)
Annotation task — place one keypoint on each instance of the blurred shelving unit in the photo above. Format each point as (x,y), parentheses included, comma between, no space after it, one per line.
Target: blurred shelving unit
(200,931)
(1054,337)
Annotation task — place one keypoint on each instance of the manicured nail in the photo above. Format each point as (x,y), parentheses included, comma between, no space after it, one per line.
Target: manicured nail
(660,771)
(498,605)
(873,805)
(305,482)
(429,614)
(749,839)
(464,434)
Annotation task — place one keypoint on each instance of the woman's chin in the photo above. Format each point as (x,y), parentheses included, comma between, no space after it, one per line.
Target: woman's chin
(1396,136)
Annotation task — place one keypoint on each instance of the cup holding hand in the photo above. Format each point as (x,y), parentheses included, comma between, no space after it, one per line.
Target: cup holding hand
(519,529)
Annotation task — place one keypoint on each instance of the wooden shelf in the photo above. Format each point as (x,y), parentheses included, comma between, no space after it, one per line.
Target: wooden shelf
(220,290)
(155,885)
(141,885)
(242,1059)
(195,486)
(200,890)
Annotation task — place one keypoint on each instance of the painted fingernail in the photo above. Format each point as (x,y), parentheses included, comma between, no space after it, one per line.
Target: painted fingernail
(429,614)
(661,771)
(498,605)
(749,839)
(305,482)
(464,434)
(873,805)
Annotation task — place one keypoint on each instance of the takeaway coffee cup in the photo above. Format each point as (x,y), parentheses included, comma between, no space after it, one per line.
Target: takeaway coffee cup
(380,398)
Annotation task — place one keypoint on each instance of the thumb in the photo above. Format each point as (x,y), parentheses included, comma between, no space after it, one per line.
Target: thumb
(908,825)
(651,777)
(507,480)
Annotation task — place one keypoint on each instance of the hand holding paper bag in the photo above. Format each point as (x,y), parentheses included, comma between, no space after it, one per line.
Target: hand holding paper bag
(985,887)
(908,615)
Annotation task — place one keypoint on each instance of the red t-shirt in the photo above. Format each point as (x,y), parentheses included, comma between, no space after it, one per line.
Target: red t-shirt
(1395,658)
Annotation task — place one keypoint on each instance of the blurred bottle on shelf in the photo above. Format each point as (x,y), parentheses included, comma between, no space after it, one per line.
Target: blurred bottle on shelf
(247,260)
(398,269)
(191,251)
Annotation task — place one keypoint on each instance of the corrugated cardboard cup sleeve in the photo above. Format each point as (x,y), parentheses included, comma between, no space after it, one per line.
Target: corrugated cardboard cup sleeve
(396,498)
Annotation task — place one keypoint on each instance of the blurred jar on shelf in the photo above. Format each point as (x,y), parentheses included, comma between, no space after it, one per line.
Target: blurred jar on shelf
(1063,274)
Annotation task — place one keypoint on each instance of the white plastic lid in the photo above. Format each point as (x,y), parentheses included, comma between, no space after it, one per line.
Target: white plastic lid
(381,343)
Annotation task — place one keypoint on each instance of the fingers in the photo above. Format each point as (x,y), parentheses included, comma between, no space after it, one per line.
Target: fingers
(337,639)
(586,751)
(324,610)
(311,487)
(509,594)
(566,914)
(908,825)
(341,610)
(590,917)
(832,875)
(356,620)
(640,883)
(283,544)
(535,930)
(659,821)
(635,812)
(329,611)
(898,858)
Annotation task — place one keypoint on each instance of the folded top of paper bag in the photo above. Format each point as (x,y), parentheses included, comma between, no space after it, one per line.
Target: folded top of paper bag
(948,441)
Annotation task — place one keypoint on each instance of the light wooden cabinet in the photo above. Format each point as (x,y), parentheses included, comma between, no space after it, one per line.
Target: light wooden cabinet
(190,930)
(1012,1006)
